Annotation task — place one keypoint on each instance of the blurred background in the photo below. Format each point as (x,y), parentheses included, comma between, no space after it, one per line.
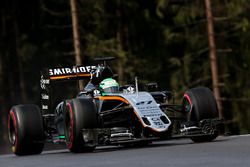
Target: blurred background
(164,41)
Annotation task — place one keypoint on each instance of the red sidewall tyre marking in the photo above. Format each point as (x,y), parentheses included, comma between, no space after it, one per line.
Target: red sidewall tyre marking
(71,128)
(189,100)
(13,117)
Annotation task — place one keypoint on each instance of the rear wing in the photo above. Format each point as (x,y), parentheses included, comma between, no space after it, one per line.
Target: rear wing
(60,74)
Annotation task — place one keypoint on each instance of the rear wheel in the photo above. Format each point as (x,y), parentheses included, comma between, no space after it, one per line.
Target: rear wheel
(200,104)
(25,129)
(80,114)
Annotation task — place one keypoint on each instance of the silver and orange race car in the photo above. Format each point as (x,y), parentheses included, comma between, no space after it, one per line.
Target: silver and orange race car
(106,113)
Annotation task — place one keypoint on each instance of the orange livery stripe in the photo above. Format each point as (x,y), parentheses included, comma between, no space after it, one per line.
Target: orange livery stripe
(113,98)
(69,76)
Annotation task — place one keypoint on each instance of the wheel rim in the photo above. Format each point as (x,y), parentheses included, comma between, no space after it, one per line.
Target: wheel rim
(69,123)
(187,104)
(12,131)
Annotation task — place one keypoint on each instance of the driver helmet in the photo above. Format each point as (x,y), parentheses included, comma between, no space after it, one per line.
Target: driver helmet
(108,85)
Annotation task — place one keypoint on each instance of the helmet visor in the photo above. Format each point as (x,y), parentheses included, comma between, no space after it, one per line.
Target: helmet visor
(112,89)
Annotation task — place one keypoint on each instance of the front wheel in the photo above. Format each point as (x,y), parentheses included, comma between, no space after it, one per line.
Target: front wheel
(80,114)
(200,104)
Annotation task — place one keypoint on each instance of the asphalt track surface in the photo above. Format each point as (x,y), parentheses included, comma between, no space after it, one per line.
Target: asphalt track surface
(231,151)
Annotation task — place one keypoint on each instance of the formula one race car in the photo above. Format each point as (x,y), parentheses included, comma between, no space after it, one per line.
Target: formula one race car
(105,113)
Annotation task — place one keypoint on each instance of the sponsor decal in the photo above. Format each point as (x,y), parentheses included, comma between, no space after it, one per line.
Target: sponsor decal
(43,82)
(97,93)
(45,107)
(144,102)
(74,70)
(130,89)
(45,97)
(157,121)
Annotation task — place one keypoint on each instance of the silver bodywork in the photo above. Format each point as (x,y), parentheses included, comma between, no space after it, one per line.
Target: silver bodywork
(145,106)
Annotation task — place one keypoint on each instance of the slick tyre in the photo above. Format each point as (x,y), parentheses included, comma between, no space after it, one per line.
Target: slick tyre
(80,114)
(200,104)
(25,130)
